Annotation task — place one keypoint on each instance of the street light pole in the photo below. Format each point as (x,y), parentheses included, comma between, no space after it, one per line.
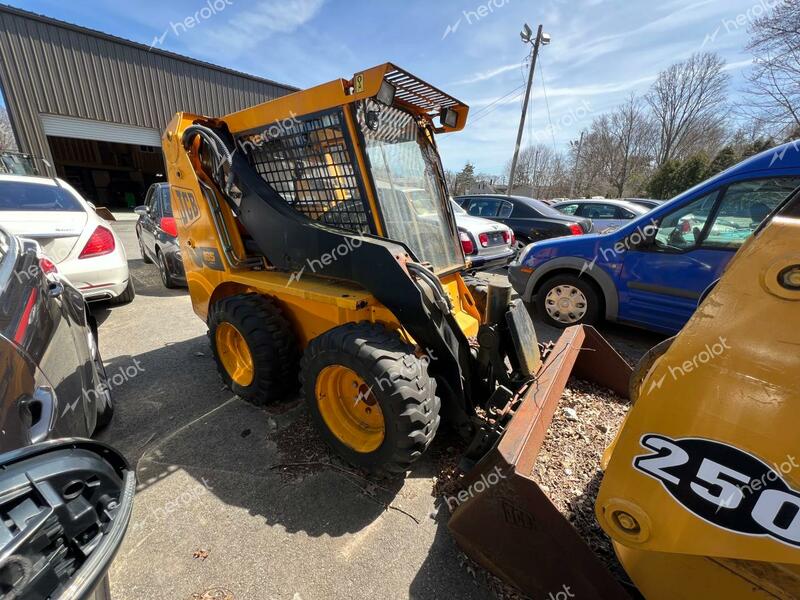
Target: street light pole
(526,37)
(575,168)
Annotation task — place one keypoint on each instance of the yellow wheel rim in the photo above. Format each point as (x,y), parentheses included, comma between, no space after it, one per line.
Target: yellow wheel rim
(349,408)
(234,353)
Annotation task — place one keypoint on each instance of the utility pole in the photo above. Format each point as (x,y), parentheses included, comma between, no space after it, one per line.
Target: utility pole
(575,168)
(541,39)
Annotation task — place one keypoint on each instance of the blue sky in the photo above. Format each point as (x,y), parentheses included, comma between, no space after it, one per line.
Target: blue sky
(601,50)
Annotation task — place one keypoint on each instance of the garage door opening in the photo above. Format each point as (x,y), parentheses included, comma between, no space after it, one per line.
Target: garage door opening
(109,174)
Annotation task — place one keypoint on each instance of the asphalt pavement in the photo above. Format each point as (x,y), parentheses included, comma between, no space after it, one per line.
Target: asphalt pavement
(235,502)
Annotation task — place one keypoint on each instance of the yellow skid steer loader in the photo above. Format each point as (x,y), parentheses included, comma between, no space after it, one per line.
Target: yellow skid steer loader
(320,247)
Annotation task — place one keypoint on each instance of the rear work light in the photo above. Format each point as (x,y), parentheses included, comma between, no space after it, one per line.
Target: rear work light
(169,226)
(102,242)
(575,229)
(466,242)
(483,238)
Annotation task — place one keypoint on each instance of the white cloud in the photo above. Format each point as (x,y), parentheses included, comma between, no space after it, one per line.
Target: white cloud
(483,76)
(250,28)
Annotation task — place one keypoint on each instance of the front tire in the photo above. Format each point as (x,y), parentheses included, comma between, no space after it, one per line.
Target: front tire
(566,300)
(370,397)
(254,347)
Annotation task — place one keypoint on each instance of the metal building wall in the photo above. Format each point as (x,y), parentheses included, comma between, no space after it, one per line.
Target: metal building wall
(51,67)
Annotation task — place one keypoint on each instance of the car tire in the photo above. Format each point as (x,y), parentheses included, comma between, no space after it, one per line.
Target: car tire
(127,296)
(254,347)
(145,259)
(163,270)
(396,411)
(581,301)
(105,409)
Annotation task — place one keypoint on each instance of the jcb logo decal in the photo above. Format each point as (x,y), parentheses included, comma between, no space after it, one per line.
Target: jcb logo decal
(188,210)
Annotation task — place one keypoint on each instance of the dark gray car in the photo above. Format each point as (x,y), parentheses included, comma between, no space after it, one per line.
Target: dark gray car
(158,235)
(54,381)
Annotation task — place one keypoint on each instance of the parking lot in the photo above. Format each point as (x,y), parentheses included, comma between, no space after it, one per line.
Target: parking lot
(231,497)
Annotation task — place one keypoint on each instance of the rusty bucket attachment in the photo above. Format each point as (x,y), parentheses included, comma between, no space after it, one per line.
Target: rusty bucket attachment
(504,521)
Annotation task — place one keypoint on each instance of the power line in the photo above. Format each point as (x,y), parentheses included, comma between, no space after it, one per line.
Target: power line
(497,100)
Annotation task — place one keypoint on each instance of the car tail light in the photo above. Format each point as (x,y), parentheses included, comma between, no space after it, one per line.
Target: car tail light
(466,243)
(26,318)
(102,242)
(483,238)
(47,266)
(575,229)
(508,237)
(169,226)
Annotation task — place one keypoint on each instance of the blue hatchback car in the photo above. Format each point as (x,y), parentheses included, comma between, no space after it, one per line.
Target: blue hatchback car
(653,271)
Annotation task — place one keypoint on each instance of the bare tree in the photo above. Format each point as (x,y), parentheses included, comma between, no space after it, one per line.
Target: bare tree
(687,99)
(7,139)
(623,141)
(541,172)
(774,82)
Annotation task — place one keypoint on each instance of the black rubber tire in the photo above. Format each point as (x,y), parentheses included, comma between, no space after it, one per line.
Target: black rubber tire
(106,411)
(593,300)
(398,380)
(163,270)
(145,259)
(479,289)
(644,365)
(127,296)
(271,341)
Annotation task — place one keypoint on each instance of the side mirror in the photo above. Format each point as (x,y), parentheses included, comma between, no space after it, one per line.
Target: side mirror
(68,503)
(141,210)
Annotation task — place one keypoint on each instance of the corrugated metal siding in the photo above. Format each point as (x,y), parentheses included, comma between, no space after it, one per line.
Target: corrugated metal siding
(84,129)
(53,68)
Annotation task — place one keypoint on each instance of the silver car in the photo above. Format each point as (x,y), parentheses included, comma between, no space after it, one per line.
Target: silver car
(485,243)
(606,215)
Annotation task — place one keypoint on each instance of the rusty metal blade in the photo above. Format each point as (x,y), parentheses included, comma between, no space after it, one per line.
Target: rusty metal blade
(503,520)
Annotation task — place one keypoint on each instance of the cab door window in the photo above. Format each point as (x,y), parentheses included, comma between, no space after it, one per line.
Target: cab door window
(682,229)
(743,207)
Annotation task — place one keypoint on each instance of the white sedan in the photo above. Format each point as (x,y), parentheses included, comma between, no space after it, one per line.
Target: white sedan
(81,244)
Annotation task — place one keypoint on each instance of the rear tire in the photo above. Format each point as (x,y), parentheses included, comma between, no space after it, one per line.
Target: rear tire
(127,296)
(265,340)
(395,387)
(566,300)
(145,259)
(163,269)
(103,391)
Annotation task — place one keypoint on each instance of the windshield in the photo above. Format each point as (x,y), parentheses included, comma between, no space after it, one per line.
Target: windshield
(24,196)
(405,170)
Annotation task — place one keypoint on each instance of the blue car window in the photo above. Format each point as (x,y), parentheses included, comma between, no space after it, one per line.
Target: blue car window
(681,229)
(743,208)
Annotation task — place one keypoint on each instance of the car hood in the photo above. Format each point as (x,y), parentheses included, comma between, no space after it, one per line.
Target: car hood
(56,231)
